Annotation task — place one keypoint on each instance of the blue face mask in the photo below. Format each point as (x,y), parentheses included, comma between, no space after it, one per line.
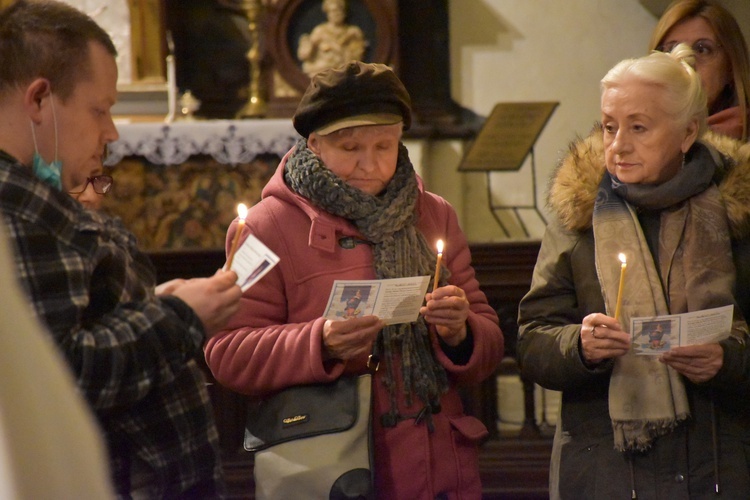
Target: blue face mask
(49,173)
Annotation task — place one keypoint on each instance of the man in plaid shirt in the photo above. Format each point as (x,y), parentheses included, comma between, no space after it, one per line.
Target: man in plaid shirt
(134,355)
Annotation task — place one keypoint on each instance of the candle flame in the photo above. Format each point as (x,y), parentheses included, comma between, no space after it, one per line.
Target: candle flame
(622,258)
(242,211)
(440,246)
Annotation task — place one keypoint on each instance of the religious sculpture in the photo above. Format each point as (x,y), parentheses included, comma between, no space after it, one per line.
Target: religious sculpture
(331,43)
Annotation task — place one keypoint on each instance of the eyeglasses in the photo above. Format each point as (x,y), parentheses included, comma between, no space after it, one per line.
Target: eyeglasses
(102,184)
(704,49)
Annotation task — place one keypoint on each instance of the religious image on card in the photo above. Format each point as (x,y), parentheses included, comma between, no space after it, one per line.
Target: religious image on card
(653,337)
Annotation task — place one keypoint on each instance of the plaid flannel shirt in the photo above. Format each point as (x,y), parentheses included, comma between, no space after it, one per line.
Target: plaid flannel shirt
(134,355)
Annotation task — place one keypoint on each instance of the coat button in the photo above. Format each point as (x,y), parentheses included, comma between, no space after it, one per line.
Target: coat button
(679,478)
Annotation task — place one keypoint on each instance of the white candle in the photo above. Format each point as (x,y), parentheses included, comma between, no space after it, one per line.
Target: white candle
(171,89)
(171,80)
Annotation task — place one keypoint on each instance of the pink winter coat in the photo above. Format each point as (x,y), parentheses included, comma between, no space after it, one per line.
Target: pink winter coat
(276,339)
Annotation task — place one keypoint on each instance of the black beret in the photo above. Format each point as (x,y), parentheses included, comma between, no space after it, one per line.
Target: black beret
(351,95)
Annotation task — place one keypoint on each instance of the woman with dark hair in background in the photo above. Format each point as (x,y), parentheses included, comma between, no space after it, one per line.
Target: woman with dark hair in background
(721,59)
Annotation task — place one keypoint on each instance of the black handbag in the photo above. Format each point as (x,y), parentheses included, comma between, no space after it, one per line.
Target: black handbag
(313,441)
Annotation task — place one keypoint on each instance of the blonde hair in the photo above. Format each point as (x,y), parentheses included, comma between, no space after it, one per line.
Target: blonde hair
(728,35)
(683,93)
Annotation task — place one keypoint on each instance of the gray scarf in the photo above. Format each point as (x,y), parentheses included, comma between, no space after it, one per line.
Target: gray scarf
(388,222)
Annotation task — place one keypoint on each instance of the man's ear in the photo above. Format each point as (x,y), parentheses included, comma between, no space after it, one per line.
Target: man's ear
(34,99)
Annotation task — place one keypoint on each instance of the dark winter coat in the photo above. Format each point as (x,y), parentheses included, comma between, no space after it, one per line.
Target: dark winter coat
(691,461)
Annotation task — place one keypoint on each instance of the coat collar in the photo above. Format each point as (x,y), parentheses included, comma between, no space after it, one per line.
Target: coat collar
(575,182)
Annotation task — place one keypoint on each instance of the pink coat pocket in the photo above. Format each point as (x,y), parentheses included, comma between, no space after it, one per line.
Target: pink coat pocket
(469,427)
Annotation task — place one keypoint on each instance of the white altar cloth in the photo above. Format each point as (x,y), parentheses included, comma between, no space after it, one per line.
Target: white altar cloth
(227,141)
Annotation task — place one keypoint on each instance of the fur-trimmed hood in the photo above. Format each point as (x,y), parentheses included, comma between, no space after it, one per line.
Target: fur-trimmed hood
(575,182)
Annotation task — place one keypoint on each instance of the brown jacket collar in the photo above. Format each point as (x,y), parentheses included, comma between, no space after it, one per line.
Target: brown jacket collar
(575,182)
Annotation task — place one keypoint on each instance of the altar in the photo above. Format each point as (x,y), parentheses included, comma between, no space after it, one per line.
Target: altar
(177,184)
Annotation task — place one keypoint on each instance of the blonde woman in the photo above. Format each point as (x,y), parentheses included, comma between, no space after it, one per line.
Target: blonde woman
(650,185)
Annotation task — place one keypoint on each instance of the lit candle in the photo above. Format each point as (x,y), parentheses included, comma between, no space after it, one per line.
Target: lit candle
(242,213)
(622,282)
(437,266)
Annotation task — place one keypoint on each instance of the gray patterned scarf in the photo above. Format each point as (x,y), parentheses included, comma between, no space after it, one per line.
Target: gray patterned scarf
(388,222)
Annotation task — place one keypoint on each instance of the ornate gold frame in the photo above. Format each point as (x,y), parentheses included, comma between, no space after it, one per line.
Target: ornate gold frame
(281,21)
(148,36)
(385,37)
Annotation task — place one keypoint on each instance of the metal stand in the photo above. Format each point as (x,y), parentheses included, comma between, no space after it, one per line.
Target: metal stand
(516,208)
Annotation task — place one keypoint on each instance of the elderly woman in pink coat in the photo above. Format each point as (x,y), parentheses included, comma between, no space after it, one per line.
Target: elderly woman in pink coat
(346,204)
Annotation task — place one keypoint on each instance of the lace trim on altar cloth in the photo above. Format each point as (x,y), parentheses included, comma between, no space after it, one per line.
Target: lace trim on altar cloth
(229,142)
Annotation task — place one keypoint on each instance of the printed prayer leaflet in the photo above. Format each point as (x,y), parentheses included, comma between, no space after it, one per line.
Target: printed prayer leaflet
(252,261)
(652,336)
(393,300)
